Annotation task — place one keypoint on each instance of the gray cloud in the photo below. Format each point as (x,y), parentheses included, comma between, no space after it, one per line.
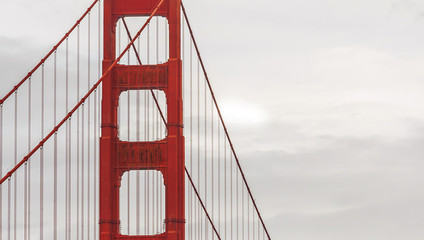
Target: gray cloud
(351,188)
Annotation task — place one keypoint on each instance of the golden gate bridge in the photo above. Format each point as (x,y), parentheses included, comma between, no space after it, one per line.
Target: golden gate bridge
(116,134)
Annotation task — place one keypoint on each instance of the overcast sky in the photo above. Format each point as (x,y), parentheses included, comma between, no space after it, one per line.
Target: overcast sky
(323,99)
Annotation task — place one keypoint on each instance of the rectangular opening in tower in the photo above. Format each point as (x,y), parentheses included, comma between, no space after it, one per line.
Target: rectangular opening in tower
(152,46)
(142,203)
(141,117)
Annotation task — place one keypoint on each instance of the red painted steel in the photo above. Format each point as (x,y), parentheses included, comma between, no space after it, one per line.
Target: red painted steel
(135,8)
(167,156)
(141,77)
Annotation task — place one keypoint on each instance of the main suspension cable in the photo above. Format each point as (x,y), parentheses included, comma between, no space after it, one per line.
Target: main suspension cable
(56,128)
(222,122)
(201,203)
(41,63)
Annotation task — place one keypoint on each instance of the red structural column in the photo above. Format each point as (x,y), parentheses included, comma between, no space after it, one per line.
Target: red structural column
(108,191)
(167,155)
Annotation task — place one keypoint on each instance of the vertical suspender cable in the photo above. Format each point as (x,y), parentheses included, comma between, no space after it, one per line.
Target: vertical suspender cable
(153,172)
(253,224)
(148,137)
(157,93)
(248,219)
(191,139)
(25,199)
(231,194)
(82,167)
(157,130)
(67,190)
(198,149)
(95,125)
(237,208)
(69,139)
(138,129)
(153,123)
(69,178)
(55,151)
(88,128)
(137,183)
(153,180)
(193,214)
(191,204)
(29,163)
(201,219)
(145,173)
(259,236)
(152,175)
(137,110)
(219,178)
(15,161)
(206,153)
(8,209)
(166,58)
(197,209)
(94,162)
(191,119)
(225,188)
(212,162)
(161,200)
(129,138)
(29,172)
(42,158)
(78,136)
(26,194)
(129,172)
(242,212)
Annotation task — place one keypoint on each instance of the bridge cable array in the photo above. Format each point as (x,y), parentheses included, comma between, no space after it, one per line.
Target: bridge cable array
(218,196)
(214,102)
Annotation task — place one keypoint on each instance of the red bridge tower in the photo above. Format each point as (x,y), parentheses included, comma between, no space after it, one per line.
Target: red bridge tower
(116,156)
